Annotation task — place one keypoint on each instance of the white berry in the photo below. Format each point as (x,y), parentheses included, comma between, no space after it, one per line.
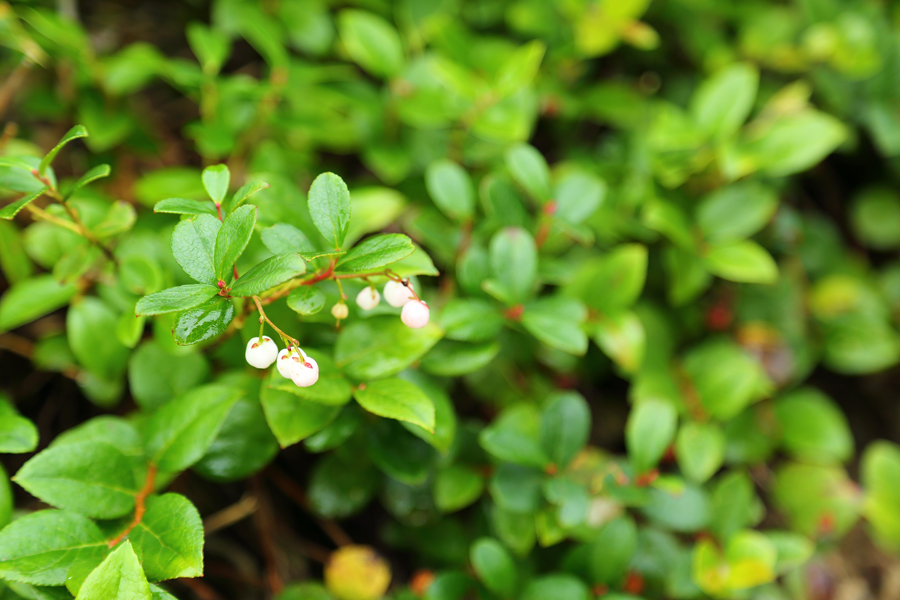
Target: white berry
(286,361)
(397,294)
(415,314)
(261,354)
(368,298)
(340,311)
(305,372)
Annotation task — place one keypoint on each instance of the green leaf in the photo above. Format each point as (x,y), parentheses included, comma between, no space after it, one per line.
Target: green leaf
(578,195)
(875,216)
(621,336)
(398,453)
(31,299)
(452,359)
(293,418)
(194,247)
(471,320)
(723,102)
(381,347)
(796,142)
(12,209)
(700,450)
(245,191)
(612,282)
(282,238)
(17,434)
(649,431)
(244,446)
(269,273)
(445,425)
(530,170)
(119,577)
(494,566)
(456,487)
(417,263)
(745,262)
(90,478)
(76,132)
(565,427)
(98,172)
(612,551)
(561,587)
(340,487)
(556,321)
(120,218)
(216,179)
(16,266)
(232,239)
(175,299)
(169,538)
(329,207)
(332,388)
(397,399)
(736,211)
(375,252)
(520,69)
(372,42)
(306,300)
(514,437)
(451,188)
(179,433)
(203,322)
(736,380)
(90,326)
(210,46)
(813,428)
(39,547)
(183,206)
(156,375)
(513,266)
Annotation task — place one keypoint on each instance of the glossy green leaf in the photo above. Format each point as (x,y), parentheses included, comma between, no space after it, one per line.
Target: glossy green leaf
(180,432)
(452,359)
(514,436)
(156,375)
(293,418)
(530,170)
(513,259)
(184,206)
(98,172)
(332,388)
(175,299)
(269,273)
(232,239)
(282,238)
(457,487)
(736,211)
(90,325)
(194,247)
(203,322)
(700,450)
(306,300)
(813,428)
(31,299)
(216,179)
(12,209)
(244,446)
(451,189)
(119,577)
(494,566)
(39,547)
(79,131)
(329,206)
(560,587)
(375,252)
(381,347)
(557,321)
(745,262)
(723,102)
(169,538)
(90,478)
(649,431)
(372,42)
(17,434)
(397,399)
(245,191)
(565,427)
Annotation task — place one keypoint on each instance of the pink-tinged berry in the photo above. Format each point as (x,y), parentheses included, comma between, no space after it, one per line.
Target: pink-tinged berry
(396,293)
(415,314)
(261,354)
(305,372)
(340,311)
(368,298)
(286,361)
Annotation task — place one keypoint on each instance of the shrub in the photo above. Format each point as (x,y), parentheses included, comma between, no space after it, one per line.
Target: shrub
(561,333)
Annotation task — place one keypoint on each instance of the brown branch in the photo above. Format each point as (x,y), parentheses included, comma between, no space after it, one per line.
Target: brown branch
(244,507)
(139,505)
(265,526)
(202,590)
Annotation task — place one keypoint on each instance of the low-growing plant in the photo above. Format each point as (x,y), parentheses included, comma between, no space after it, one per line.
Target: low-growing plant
(561,335)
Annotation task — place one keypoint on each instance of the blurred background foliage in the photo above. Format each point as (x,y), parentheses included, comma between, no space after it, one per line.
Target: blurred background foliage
(710,186)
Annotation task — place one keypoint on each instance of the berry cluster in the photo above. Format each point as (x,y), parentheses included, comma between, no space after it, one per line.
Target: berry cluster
(292,363)
(415,312)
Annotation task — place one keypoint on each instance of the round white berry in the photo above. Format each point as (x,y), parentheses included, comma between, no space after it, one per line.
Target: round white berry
(305,372)
(415,314)
(261,354)
(286,361)
(397,294)
(368,298)
(340,311)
